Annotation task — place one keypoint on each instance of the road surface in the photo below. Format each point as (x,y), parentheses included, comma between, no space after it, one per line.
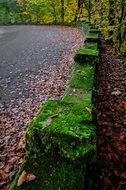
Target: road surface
(24,50)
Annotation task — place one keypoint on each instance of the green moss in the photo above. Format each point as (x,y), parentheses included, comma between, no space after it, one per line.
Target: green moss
(61,148)
(59,175)
(92,35)
(87,52)
(82,77)
(91,45)
(76,96)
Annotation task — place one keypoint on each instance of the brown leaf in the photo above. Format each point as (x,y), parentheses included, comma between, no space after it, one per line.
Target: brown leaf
(123,175)
(30,177)
(22,178)
(25,177)
(107,181)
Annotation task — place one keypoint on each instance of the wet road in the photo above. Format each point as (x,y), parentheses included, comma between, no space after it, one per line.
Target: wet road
(24,50)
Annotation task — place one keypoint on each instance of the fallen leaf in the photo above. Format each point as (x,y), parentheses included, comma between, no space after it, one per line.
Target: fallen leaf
(88,110)
(22,178)
(30,177)
(74,90)
(123,175)
(25,177)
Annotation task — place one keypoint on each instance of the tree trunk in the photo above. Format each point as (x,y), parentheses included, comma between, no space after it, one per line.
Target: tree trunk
(79,7)
(89,11)
(122,17)
(62,11)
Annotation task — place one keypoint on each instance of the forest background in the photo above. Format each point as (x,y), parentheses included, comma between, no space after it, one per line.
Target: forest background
(108,15)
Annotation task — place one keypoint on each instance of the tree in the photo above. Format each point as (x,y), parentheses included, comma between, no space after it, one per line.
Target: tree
(62,11)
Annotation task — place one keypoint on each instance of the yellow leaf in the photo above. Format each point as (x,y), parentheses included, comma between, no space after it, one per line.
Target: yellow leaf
(89,110)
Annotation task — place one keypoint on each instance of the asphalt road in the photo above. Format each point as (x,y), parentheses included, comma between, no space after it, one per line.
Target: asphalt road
(23,51)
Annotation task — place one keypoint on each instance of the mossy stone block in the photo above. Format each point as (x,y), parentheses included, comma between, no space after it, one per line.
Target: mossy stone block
(92,37)
(91,45)
(87,55)
(75,95)
(82,77)
(61,122)
(59,144)
(94,30)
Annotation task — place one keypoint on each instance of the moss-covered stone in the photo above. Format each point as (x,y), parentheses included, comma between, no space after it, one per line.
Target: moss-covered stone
(80,85)
(85,55)
(82,77)
(91,45)
(94,30)
(92,37)
(61,139)
(74,95)
(59,142)
(89,52)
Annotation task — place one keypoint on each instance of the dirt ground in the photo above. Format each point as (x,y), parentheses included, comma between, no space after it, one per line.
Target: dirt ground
(110,104)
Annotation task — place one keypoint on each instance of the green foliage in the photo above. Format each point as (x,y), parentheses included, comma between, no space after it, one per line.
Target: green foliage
(109,16)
